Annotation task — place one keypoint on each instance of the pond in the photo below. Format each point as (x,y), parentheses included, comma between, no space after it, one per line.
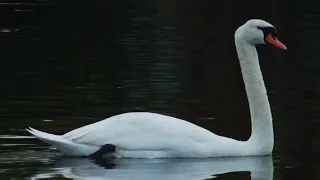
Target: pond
(65,65)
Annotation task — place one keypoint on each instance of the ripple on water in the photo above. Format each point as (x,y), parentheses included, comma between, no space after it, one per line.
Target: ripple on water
(16,137)
(28,156)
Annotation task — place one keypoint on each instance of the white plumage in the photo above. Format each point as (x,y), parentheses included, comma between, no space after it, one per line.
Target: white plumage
(142,134)
(150,135)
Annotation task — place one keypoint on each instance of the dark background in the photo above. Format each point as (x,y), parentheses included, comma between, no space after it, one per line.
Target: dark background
(78,62)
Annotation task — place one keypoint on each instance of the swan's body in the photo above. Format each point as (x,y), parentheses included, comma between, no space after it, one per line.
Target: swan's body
(142,134)
(149,135)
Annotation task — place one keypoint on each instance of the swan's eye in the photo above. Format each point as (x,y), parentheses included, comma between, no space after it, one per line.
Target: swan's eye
(269,30)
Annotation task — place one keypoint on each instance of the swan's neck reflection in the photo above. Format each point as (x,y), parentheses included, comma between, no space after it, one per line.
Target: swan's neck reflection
(259,167)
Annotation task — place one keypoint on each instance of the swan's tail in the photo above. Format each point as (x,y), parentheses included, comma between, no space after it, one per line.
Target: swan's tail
(65,146)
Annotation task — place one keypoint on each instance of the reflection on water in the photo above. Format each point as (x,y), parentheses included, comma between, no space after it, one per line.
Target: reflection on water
(76,63)
(261,168)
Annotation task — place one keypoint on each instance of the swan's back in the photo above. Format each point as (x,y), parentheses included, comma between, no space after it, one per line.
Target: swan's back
(147,126)
(145,135)
(139,133)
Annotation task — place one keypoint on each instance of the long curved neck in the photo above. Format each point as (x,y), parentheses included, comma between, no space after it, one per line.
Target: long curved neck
(262,129)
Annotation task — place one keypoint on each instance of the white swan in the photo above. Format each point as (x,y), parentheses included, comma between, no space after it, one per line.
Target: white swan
(149,135)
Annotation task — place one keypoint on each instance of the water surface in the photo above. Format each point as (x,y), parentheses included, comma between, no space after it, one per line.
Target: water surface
(64,65)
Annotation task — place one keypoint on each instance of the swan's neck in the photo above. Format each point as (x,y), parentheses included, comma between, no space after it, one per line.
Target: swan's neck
(261,140)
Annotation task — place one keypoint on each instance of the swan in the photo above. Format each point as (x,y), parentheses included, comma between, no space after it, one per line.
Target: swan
(150,135)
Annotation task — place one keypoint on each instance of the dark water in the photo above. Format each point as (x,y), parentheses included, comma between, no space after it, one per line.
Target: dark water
(64,65)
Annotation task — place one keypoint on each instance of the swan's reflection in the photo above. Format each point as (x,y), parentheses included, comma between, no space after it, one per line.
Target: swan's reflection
(260,168)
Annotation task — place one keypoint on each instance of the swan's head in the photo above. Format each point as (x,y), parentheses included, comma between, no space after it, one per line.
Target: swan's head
(256,31)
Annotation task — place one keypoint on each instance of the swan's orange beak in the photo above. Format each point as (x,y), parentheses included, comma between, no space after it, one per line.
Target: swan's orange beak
(275,42)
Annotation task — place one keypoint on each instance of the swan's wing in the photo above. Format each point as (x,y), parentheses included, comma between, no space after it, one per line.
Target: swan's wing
(139,131)
(64,145)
